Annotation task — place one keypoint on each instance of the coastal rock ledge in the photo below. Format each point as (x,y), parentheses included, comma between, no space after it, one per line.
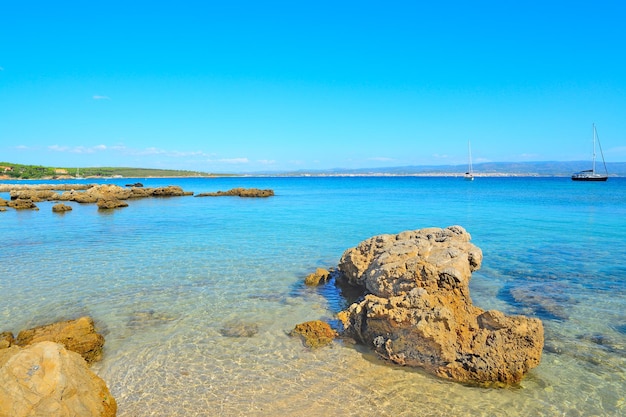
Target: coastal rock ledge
(417,311)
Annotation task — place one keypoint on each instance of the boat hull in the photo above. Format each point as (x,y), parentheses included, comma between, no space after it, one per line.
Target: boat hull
(589,178)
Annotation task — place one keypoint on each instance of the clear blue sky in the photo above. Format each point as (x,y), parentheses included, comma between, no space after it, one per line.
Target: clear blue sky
(244,86)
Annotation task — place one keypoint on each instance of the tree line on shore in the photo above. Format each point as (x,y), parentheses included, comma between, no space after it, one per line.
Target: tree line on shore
(32,172)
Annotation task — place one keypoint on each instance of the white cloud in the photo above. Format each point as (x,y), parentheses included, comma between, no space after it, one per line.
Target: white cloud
(96,97)
(58,148)
(234,160)
(158,151)
(77,149)
(150,151)
(266,161)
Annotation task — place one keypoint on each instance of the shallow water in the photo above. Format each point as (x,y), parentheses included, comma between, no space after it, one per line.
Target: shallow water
(169,280)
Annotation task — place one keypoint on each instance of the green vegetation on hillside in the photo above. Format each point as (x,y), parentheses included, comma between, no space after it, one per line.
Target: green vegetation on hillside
(18,171)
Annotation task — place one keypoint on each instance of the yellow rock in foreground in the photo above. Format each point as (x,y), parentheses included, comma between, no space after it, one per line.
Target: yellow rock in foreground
(45,379)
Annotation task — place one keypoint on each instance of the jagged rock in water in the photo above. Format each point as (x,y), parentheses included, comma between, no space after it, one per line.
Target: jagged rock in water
(148,318)
(320,276)
(417,310)
(239,192)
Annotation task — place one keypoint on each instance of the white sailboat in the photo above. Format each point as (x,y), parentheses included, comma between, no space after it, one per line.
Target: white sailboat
(469,175)
(591,174)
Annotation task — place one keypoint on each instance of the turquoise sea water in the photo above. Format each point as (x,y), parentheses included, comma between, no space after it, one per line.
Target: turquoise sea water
(169,280)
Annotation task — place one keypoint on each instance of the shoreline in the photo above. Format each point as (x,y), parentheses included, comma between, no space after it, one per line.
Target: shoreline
(378,174)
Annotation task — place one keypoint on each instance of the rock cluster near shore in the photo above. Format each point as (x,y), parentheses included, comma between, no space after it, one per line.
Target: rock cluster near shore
(416,309)
(106,196)
(44,372)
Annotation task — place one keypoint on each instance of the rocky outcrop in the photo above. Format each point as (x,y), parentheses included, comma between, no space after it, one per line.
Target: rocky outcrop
(61,208)
(34,194)
(417,310)
(97,192)
(23,204)
(314,333)
(77,335)
(169,191)
(115,192)
(108,204)
(45,379)
(239,192)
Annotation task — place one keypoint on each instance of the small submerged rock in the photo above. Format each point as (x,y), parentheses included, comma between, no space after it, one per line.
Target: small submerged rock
(239,329)
(148,318)
(545,300)
(606,342)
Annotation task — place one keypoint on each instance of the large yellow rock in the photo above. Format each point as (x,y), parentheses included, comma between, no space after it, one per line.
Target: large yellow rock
(417,309)
(45,379)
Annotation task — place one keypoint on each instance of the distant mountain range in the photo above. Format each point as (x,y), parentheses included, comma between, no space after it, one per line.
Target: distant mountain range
(540,169)
(493,169)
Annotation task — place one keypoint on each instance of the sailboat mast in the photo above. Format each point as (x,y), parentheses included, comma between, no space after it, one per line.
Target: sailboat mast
(593,166)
